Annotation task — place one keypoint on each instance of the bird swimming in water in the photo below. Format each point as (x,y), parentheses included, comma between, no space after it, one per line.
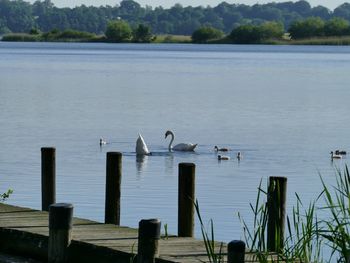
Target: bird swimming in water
(223,158)
(141,146)
(185,147)
(221,149)
(340,152)
(102,141)
(335,156)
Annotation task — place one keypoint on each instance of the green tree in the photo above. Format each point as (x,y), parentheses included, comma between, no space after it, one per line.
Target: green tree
(118,31)
(310,27)
(250,34)
(336,27)
(204,34)
(142,34)
(245,34)
(270,30)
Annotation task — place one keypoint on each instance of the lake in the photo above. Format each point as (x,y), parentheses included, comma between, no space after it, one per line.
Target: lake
(283,107)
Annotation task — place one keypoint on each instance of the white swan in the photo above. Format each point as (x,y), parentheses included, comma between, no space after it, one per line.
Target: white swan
(186,147)
(141,147)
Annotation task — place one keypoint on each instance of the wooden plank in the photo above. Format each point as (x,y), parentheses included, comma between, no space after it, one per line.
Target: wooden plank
(103,241)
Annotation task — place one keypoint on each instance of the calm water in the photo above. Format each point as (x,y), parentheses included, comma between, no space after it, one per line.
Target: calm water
(283,107)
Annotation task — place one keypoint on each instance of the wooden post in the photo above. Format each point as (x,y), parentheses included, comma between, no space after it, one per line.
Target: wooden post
(113,182)
(186,199)
(60,232)
(48,177)
(235,251)
(149,235)
(276,211)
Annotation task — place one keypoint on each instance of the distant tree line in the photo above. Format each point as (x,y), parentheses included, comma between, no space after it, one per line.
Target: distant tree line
(254,34)
(44,16)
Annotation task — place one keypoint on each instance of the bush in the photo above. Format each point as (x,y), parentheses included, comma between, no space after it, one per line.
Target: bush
(142,34)
(205,34)
(20,37)
(73,34)
(118,31)
(310,27)
(336,27)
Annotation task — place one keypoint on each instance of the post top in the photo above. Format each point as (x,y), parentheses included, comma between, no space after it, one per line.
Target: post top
(187,164)
(48,148)
(149,228)
(282,178)
(236,246)
(61,206)
(114,153)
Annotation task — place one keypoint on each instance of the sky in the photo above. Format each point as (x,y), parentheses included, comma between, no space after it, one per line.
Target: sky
(331,4)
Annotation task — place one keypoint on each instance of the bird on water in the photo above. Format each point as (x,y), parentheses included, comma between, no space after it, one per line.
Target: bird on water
(185,147)
(221,149)
(141,146)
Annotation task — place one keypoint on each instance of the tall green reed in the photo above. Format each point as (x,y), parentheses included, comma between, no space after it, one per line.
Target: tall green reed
(302,242)
(214,256)
(335,229)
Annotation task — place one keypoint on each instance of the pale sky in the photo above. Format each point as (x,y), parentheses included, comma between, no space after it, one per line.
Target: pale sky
(331,4)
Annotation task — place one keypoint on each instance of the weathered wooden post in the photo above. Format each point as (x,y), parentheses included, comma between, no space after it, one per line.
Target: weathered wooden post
(60,232)
(276,211)
(113,182)
(186,199)
(235,251)
(149,235)
(48,177)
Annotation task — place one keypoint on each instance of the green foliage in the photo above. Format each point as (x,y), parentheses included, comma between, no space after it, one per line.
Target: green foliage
(74,34)
(142,34)
(21,37)
(307,234)
(205,34)
(6,195)
(310,27)
(336,27)
(34,31)
(271,30)
(214,256)
(21,16)
(118,31)
(336,229)
(246,34)
(251,34)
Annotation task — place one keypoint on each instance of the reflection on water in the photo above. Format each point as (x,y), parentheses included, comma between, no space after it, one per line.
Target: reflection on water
(169,163)
(141,163)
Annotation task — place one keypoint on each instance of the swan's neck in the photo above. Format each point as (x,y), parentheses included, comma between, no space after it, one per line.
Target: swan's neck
(171,142)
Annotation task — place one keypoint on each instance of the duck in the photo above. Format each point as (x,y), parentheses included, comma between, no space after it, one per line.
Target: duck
(184,147)
(223,158)
(141,146)
(340,152)
(102,141)
(335,156)
(239,155)
(221,149)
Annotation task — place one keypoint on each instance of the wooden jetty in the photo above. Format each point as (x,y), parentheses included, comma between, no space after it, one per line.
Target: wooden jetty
(54,235)
(25,231)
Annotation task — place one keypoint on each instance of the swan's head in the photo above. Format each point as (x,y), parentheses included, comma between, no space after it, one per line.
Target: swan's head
(168,133)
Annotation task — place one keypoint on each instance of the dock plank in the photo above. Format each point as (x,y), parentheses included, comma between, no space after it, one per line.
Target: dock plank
(109,240)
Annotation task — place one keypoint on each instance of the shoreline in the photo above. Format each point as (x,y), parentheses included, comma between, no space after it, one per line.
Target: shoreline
(175,39)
